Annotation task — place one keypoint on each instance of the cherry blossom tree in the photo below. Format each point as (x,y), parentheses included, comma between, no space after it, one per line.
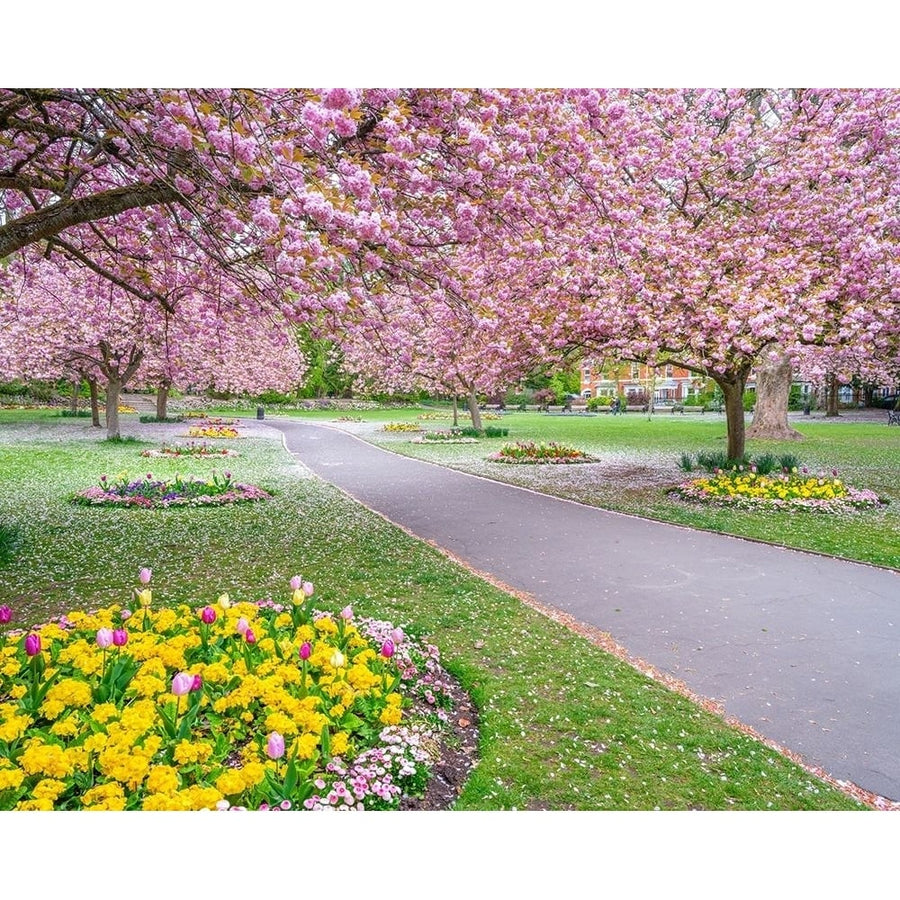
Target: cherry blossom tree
(741,221)
(62,320)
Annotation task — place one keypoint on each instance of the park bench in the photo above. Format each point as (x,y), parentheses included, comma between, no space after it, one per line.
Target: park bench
(893,417)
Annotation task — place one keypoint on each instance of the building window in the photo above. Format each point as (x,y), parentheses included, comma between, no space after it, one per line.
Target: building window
(635,372)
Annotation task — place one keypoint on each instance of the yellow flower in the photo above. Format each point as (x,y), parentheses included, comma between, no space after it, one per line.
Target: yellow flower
(11,778)
(67,727)
(104,712)
(95,743)
(14,727)
(145,597)
(48,789)
(45,759)
(42,804)
(339,743)
(305,746)
(104,796)
(187,752)
(253,774)
(162,780)
(230,783)
(391,715)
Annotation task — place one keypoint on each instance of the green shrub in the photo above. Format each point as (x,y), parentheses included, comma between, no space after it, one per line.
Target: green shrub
(493,431)
(765,464)
(718,459)
(788,461)
(686,462)
(596,403)
(146,419)
(796,400)
(273,398)
(749,400)
(79,413)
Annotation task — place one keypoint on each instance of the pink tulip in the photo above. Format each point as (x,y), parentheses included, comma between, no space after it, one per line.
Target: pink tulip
(208,615)
(104,638)
(5,614)
(197,683)
(305,650)
(242,625)
(145,575)
(275,746)
(296,583)
(249,636)
(182,684)
(308,588)
(33,644)
(347,613)
(125,615)
(387,649)
(120,637)
(398,636)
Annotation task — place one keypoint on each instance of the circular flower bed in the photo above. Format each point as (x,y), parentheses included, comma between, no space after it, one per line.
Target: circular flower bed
(528,452)
(148,493)
(444,437)
(212,431)
(401,426)
(191,449)
(745,488)
(229,706)
(433,416)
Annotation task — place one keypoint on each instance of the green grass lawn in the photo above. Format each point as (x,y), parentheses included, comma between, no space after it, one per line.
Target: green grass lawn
(639,460)
(563,724)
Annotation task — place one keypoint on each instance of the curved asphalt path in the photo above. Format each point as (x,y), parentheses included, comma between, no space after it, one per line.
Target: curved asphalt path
(803,648)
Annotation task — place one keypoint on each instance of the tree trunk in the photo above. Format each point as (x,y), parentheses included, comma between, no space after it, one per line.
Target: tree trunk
(455,412)
(162,399)
(95,402)
(113,390)
(474,411)
(733,392)
(831,396)
(73,403)
(773,389)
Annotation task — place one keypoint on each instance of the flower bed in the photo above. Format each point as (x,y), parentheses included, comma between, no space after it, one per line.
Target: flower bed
(401,426)
(444,437)
(433,416)
(212,431)
(230,706)
(527,452)
(150,493)
(348,419)
(745,488)
(191,449)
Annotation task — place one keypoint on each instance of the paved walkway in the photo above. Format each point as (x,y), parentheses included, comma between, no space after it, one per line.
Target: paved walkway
(805,649)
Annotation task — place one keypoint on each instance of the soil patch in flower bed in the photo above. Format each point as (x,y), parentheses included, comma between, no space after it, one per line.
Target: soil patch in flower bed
(746,489)
(529,453)
(228,706)
(150,493)
(191,449)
